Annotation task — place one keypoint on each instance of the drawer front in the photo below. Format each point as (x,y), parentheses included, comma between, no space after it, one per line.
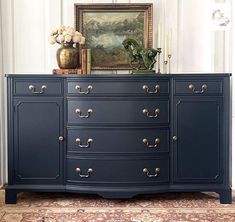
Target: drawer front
(198,87)
(117,170)
(116,140)
(38,87)
(98,111)
(82,88)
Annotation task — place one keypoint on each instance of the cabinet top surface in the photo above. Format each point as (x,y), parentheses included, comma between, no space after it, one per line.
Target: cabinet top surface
(119,75)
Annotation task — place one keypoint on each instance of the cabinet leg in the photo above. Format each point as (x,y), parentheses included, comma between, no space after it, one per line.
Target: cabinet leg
(225,196)
(10,196)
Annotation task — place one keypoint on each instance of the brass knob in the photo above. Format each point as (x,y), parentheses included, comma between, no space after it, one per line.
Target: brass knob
(174,138)
(61,138)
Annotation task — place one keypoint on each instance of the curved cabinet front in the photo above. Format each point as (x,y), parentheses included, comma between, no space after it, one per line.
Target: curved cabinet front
(119,135)
(118,111)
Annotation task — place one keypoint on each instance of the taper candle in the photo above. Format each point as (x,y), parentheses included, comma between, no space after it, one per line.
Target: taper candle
(170,42)
(166,48)
(159,35)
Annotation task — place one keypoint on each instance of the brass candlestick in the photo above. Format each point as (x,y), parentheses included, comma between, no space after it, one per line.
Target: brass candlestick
(169,57)
(165,66)
(159,51)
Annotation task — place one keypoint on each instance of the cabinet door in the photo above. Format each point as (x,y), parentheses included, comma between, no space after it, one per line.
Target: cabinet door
(37,149)
(197,146)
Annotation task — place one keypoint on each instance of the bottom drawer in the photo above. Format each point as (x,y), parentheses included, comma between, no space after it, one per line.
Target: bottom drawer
(118,170)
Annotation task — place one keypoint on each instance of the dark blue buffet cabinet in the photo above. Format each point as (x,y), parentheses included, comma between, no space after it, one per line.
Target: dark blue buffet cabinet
(119,135)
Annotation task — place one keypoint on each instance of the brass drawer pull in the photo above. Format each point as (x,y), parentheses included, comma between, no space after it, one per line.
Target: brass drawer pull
(78,88)
(32,89)
(157,141)
(79,172)
(89,111)
(146,89)
(89,142)
(192,87)
(157,111)
(157,172)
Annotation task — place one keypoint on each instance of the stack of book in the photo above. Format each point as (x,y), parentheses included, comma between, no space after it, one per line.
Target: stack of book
(85,65)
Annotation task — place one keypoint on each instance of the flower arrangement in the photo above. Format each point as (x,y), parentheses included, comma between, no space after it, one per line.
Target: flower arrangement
(66,35)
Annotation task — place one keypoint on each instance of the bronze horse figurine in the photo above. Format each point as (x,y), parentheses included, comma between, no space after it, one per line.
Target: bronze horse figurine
(140,58)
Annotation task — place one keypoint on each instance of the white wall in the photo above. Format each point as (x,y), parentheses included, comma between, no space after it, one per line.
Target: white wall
(26,25)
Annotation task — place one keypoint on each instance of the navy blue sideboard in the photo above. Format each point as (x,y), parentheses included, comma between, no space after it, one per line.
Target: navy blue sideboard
(119,135)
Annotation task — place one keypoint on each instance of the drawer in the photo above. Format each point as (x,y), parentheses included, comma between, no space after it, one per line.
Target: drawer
(198,87)
(81,88)
(38,87)
(117,140)
(118,111)
(118,170)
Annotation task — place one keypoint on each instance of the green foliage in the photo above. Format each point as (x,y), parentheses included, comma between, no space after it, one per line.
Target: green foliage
(128,28)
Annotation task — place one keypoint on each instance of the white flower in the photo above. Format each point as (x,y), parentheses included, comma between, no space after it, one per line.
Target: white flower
(78,33)
(68,38)
(66,34)
(76,38)
(52,40)
(71,31)
(60,38)
(82,42)
(54,32)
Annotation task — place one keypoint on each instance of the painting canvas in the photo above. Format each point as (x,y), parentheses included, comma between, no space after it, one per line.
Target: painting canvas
(105,29)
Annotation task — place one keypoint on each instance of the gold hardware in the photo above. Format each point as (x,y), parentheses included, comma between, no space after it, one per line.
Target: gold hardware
(89,173)
(32,89)
(89,111)
(157,141)
(61,138)
(89,142)
(89,88)
(192,87)
(157,111)
(146,171)
(174,138)
(146,89)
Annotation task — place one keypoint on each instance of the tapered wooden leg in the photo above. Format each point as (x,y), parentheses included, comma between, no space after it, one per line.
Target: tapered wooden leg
(10,196)
(225,196)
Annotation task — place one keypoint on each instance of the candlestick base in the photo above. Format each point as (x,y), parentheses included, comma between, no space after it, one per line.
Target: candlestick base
(143,72)
(165,66)
(159,51)
(169,57)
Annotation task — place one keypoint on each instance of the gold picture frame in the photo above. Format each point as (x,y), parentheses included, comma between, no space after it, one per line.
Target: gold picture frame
(105,26)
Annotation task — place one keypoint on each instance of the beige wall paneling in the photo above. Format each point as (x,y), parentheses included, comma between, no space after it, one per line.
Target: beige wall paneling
(53,14)
(29,35)
(8,66)
(233,87)
(195,35)
(2,130)
(219,51)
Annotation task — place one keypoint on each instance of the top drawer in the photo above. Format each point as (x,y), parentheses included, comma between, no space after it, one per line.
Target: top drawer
(198,87)
(81,88)
(37,87)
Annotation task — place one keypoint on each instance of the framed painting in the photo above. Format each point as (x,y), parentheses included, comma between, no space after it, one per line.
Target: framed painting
(105,26)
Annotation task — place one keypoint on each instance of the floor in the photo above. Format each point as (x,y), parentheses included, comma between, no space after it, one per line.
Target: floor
(62,207)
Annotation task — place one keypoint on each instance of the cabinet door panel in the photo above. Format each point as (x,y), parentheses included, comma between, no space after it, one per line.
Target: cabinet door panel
(197,151)
(38,152)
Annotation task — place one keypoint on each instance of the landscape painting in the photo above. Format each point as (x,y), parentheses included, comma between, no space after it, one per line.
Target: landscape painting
(105,30)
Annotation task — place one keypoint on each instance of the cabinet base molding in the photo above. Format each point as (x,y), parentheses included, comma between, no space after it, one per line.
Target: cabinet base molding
(108,192)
